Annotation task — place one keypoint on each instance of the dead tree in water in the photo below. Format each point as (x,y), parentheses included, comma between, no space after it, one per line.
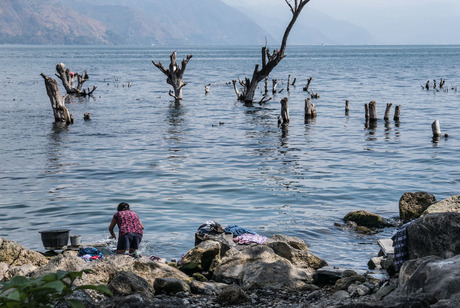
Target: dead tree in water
(269,60)
(69,78)
(61,113)
(174,75)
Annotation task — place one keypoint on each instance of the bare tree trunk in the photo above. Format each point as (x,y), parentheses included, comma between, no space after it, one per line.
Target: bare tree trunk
(61,113)
(68,79)
(271,60)
(174,75)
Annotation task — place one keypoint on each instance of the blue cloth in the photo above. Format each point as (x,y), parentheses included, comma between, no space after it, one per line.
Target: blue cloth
(400,246)
(235,230)
(91,251)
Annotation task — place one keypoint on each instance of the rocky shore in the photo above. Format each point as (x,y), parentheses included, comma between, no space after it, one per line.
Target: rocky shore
(282,272)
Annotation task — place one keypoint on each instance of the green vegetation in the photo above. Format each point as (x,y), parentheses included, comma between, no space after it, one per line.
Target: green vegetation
(48,290)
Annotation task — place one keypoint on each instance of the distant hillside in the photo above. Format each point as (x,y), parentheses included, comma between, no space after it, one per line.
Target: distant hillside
(41,22)
(139,22)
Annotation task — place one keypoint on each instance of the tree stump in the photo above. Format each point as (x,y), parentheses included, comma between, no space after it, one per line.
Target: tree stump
(310,109)
(61,113)
(372,111)
(397,112)
(69,78)
(288,83)
(387,112)
(285,110)
(275,84)
(436,128)
(366,110)
(347,107)
(174,75)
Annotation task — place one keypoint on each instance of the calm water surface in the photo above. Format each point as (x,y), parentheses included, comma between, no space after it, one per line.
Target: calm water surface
(178,167)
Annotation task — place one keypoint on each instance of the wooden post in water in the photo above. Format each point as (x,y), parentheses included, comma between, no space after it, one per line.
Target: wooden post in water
(275,83)
(372,111)
(310,109)
(366,110)
(289,82)
(387,112)
(436,128)
(285,110)
(347,107)
(397,112)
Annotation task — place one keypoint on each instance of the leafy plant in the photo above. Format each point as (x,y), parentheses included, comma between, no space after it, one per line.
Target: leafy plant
(48,290)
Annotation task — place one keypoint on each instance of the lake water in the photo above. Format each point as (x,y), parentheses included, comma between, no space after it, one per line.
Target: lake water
(178,167)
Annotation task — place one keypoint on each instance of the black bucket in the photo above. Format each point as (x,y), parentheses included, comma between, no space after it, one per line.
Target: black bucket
(55,239)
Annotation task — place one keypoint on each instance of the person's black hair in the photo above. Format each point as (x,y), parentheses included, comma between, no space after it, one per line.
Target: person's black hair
(123,206)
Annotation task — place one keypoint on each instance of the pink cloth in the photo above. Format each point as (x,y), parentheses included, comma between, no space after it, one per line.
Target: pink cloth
(248,238)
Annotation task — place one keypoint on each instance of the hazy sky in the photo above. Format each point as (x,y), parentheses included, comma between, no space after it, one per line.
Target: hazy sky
(390,21)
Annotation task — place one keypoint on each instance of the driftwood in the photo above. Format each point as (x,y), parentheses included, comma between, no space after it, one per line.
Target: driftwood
(387,112)
(285,110)
(61,113)
(310,109)
(270,60)
(308,84)
(174,75)
(69,79)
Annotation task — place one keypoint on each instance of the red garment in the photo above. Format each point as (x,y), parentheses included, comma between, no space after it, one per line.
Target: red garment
(128,222)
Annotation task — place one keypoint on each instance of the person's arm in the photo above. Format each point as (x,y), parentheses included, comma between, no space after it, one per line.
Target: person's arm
(112,225)
(141,224)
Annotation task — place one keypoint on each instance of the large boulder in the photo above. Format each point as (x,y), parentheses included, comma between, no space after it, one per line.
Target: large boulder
(439,279)
(366,219)
(434,235)
(103,270)
(127,283)
(260,267)
(295,250)
(451,204)
(413,204)
(14,254)
(200,258)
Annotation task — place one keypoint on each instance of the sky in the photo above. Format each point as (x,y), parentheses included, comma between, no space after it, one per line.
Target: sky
(389,21)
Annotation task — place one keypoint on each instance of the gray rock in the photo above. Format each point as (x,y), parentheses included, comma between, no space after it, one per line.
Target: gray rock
(207,288)
(374,263)
(170,286)
(412,205)
(439,279)
(340,295)
(232,295)
(15,254)
(451,204)
(434,234)
(366,219)
(23,270)
(126,283)
(260,267)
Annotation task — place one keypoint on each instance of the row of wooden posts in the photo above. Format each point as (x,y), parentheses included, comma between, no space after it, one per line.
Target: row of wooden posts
(370,114)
